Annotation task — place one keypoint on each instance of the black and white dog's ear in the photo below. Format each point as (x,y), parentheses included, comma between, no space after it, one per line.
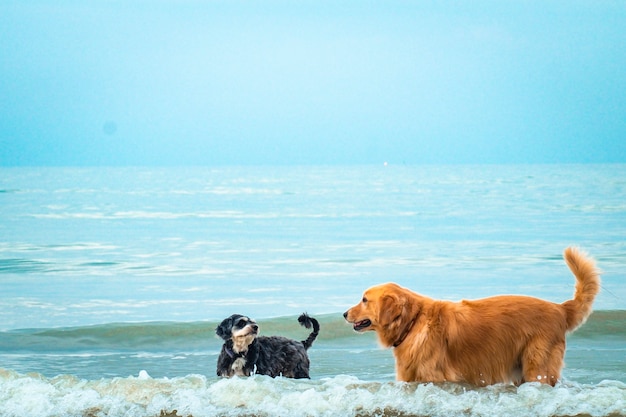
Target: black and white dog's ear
(224,330)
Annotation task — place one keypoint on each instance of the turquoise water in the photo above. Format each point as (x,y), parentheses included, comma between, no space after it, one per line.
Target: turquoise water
(117,277)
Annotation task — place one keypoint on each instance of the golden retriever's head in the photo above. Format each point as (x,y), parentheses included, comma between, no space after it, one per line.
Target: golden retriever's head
(386,309)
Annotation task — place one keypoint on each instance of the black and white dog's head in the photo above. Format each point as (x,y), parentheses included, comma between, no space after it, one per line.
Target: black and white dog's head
(241,330)
(239,351)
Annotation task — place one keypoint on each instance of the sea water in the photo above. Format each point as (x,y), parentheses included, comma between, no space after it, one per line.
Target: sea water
(113,280)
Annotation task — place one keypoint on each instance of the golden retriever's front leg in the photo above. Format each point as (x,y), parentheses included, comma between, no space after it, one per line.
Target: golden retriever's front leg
(409,371)
(404,375)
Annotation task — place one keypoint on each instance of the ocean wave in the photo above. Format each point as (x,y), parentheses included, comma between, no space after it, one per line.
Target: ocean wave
(162,335)
(213,214)
(98,267)
(111,336)
(21,266)
(198,396)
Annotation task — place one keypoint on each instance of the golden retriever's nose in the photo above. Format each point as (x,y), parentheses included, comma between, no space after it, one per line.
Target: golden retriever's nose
(345,315)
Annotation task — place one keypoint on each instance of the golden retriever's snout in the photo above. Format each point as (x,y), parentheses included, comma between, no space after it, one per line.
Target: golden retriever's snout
(362,325)
(357,325)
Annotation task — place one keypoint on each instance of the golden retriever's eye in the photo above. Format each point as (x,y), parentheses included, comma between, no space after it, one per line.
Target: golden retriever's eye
(364,300)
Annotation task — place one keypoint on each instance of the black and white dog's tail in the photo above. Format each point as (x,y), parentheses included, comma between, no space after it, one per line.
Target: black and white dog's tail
(309,322)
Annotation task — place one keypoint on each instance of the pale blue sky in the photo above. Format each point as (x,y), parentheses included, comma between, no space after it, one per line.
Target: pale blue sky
(185,82)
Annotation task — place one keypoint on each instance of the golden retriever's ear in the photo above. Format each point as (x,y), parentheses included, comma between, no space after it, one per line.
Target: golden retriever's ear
(390,309)
(396,317)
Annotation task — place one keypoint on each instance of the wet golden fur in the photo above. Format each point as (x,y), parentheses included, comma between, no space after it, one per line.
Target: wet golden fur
(508,338)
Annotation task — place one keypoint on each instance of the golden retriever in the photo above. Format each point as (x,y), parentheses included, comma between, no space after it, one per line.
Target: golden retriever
(503,339)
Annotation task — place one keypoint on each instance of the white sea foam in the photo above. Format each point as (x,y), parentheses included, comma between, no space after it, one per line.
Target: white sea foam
(342,395)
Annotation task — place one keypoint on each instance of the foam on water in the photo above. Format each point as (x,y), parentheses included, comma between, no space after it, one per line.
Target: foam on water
(195,395)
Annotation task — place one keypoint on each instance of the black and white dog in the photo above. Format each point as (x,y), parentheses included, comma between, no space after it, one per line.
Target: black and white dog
(245,353)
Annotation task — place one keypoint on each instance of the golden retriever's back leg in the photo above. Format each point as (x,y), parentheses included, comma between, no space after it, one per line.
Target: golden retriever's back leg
(556,363)
(542,361)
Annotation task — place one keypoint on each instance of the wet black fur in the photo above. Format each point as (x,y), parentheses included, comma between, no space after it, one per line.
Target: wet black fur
(269,355)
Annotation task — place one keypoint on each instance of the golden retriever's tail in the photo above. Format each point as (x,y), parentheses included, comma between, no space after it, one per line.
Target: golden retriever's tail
(587,286)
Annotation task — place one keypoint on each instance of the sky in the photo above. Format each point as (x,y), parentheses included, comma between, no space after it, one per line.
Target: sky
(212,82)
